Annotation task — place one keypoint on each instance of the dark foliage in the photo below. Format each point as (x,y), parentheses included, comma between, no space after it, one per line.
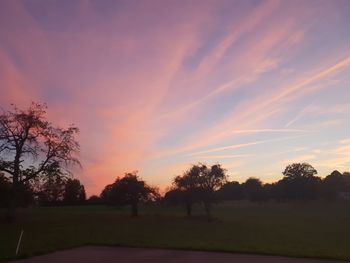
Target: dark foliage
(299,183)
(129,190)
(5,187)
(49,189)
(74,192)
(335,184)
(253,189)
(230,191)
(198,184)
(94,200)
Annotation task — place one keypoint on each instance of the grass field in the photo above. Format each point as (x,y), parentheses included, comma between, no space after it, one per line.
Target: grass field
(307,230)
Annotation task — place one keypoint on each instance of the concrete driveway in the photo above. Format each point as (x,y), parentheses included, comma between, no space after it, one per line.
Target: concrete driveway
(94,254)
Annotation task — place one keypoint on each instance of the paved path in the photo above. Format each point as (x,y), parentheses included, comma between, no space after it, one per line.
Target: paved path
(92,254)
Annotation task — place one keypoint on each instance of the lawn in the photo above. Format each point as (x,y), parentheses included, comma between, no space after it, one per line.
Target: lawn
(319,230)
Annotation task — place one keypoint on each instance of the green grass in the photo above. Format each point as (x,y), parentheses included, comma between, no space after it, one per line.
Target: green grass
(319,230)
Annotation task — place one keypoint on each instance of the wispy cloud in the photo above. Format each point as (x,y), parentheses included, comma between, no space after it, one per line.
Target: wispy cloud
(299,115)
(159,92)
(242,145)
(252,21)
(299,159)
(313,110)
(271,131)
(251,113)
(224,156)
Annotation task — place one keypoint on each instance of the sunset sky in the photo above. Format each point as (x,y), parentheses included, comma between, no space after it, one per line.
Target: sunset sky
(156,86)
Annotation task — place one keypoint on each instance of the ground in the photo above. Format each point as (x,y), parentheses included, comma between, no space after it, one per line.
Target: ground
(316,230)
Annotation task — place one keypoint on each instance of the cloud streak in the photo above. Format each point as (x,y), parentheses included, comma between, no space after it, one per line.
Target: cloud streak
(199,81)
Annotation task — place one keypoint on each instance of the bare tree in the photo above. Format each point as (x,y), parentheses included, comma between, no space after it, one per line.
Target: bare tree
(30,146)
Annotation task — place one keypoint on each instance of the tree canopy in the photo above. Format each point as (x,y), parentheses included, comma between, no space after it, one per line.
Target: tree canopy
(74,192)
(198,184)
(299,170)
(129,190)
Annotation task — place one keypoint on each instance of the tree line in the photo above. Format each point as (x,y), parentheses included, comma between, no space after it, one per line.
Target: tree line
(202,184)
(45,191)
(35,156)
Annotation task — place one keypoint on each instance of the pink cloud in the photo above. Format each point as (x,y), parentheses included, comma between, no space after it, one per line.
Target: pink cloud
(129,78)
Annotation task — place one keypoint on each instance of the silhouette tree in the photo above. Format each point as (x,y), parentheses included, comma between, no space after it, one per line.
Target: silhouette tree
(199,184)
(336,183)
(52,190)
(211,180)
(31,146)
(270,191)
(5,187)
(25,194)
(187,187)
(49,187)
(129,190)
(299,170)
(106,195)
(174,197)
(82,196)
(230,191)
(74,192)
(253,189)
(299,182)
(94,200)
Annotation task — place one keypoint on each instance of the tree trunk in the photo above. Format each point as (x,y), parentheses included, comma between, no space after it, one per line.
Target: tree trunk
(11,212)
(189,209)
(134,210)
(11,209)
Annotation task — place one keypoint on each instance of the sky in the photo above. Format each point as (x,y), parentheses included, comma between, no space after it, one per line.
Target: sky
(156,86)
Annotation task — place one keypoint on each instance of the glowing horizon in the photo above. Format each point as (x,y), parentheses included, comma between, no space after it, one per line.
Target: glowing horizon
(155,86)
